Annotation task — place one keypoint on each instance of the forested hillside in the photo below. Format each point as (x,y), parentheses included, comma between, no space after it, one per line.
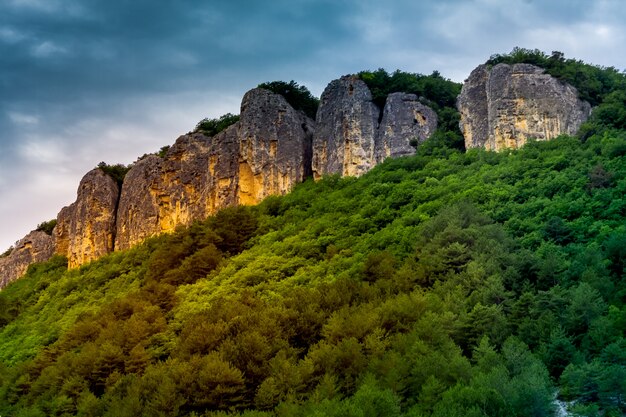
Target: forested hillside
(448,283)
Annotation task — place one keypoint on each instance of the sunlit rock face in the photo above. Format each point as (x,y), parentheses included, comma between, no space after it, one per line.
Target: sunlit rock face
(504,106)
(37,246)
(274,146)
(353,135)
(85,230)
(266,153)
(160,193)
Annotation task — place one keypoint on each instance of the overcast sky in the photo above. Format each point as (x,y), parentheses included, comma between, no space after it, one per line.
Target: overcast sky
(84,81)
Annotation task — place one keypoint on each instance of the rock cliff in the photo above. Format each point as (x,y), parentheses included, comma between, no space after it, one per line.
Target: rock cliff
(346,125)
(267,152)
(349,140)
(85,230)
(273,147)
(504,106)
(37,246)
(160,193)
(404,119)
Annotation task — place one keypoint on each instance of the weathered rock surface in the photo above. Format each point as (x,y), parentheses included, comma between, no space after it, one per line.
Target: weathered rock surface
(346,125)
(37,246)
(404,119)
(267,152)
(160,193)
(349,139)
(85,230)
(506,105)
(271,149)
(274,146)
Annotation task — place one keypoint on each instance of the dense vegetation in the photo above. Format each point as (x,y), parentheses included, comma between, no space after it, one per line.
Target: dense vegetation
(467,284)
(298,96)
(433,90)
(444,284)
(212,127)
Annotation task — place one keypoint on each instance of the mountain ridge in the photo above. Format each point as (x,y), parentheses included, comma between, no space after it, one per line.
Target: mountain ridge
(270,149)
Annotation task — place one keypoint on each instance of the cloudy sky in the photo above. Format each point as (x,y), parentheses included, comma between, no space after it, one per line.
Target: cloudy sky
(84,81)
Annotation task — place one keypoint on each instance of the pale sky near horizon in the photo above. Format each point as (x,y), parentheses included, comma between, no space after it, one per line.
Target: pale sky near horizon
(84,81)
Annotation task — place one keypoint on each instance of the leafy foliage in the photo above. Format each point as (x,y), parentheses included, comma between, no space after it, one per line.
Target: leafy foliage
(117,171)
(442,284)
(212,127)
(297,95)
(47,227)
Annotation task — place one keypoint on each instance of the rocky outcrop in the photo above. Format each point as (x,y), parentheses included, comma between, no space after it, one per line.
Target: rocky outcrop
(274,146)
(266,153)
(160,193)
(349,140)
(346,125)
(405,119)
(85,230)
(37,246)
(504,106)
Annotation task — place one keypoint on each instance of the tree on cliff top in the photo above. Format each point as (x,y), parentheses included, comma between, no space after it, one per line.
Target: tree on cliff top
(297,95)
(212,127)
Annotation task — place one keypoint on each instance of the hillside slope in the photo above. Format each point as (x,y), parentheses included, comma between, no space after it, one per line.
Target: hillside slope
(441,284)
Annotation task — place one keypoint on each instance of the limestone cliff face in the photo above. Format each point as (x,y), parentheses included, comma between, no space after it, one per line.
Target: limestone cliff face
(346,124)
(404,119)
(85,230)
(160,193)
(274,146)
(349,139)
(267,152)
(36,246)
(504,106)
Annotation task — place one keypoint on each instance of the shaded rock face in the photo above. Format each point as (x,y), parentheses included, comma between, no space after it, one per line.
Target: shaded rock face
(37,246)
(349,139)
(506,105)
(404,119)
(266,153)
(85,230)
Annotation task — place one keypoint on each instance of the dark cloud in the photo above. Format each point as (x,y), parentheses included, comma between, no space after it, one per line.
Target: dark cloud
(88,80)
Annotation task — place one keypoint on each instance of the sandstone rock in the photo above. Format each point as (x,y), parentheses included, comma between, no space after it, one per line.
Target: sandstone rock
(267,152)
(506,105)
(159,194)
(37,246)
(85,230)
(274,146)
(345,132)
(404,119)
